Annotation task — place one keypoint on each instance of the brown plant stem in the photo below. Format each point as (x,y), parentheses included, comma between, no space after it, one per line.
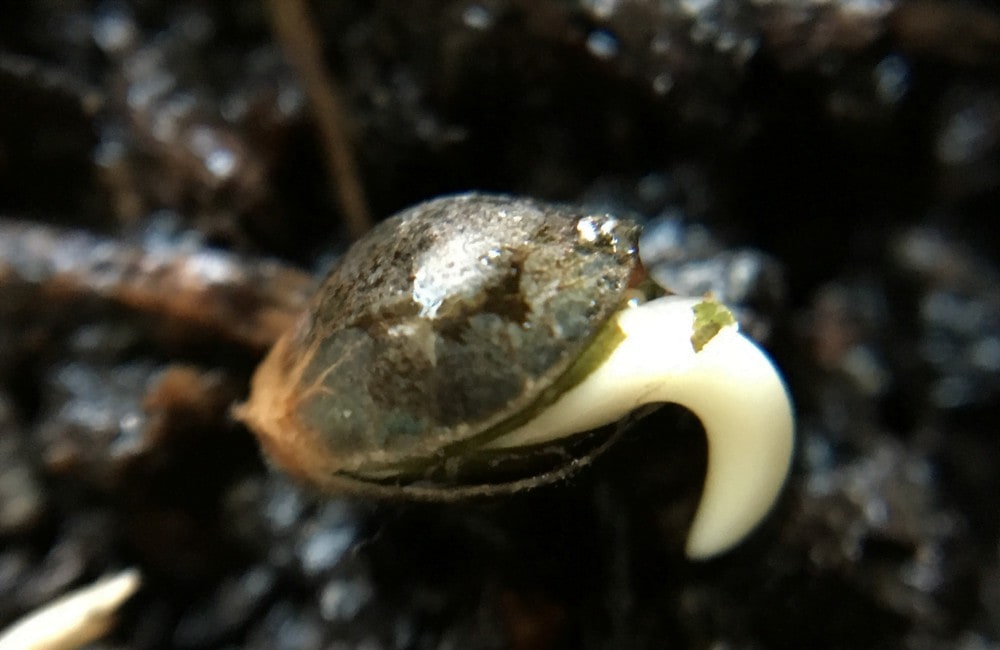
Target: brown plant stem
(246,301)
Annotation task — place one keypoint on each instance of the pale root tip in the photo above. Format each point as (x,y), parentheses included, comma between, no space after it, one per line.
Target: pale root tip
(744,407)
(729,383)
(746,411)
(74,620)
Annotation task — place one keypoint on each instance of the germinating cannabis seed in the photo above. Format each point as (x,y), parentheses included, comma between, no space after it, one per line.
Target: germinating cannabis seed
(470,334)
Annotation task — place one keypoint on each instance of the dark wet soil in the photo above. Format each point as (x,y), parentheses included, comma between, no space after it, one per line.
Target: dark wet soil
(830,168)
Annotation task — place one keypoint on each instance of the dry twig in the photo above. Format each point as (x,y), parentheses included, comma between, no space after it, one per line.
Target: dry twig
(294,29)
(250,302)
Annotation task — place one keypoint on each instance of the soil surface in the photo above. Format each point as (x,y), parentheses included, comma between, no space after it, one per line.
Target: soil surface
(173,175)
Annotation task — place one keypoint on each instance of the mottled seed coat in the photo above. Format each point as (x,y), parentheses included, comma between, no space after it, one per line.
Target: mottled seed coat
(444,322)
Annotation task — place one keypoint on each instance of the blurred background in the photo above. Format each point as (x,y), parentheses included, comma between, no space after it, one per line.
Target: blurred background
(172,172)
